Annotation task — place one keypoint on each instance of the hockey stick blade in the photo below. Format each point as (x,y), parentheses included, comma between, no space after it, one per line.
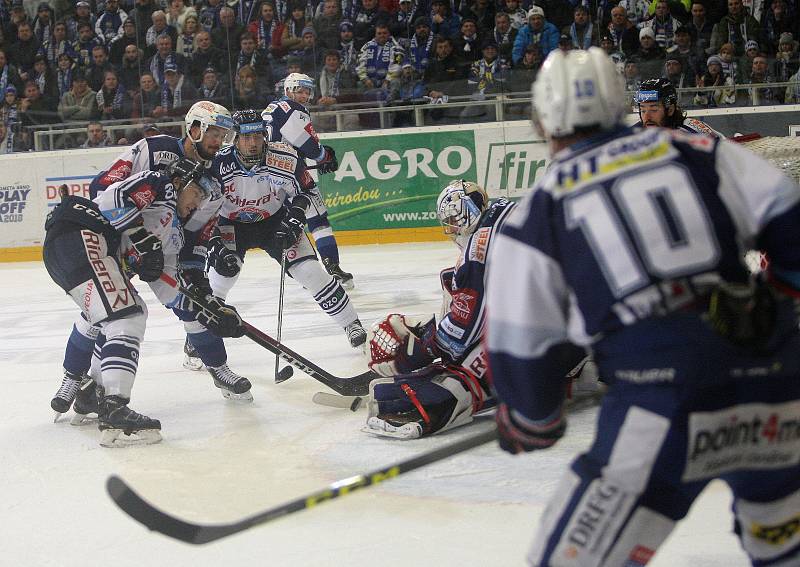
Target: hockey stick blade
(154,519)
(353,386)
(353,403)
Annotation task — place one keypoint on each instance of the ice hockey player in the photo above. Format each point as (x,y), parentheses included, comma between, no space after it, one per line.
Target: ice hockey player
(436,374)
(265,207)
(86,245)
(289,121)
(633,243)
(657,101)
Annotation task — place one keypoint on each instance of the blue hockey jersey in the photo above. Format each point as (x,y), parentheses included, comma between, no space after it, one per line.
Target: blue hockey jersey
(288,121)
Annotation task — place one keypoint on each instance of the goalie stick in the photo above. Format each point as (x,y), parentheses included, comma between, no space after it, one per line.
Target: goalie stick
(353,386)
(154,519)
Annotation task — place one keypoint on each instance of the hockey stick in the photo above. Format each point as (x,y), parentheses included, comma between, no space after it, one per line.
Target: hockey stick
(154,519)
(353,386)
(286,372)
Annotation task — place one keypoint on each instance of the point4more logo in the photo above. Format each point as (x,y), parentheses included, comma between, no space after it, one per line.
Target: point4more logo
(750,436)
(514,166)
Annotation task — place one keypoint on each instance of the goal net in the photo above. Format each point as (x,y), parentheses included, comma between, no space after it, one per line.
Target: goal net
(783,152)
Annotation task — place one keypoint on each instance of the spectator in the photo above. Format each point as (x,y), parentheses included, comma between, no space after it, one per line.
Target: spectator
(45,77)
(292,31)
(374,60)
(209,15)
(365,19)
(205,55)
(9,109)
(177,94)
(56,44)
(685,49)
(24,50)
(292,66)
(32,108)
(786,59)
(178,14)
(675,69)
(17,18)
(164,54)
(147,102)
(246,11)
(186,39)
(95,73)
(113,103)
(504,35)
(226,36)
(776,21)
(467,43)
(142,16)
(445,72)
(131,68)
(116,50)
(751,51)
(730,67)
(792,95)
(266,30)
(336,85)
(444,23)
(623,31)
(564,43)
(109,25)
(516,14)
(714,77)
(79,103)
(607,45)
(487,75)
(326,24)
(347,46)
(311,56)
(539,32)
(9,76)
(43,23)
(159,28)
(582,33)
(66,67)
(96,136)
(405,89)
(633,79)
(759,73)
(150,130)
(700,27)
(84,45)
(482,12)
(736,27)
(212,89)
(401,25)
(649,57)
(419,49)
(6,140)
(524,73)
(637,11)
(257,59)
(246,93)
(663,24)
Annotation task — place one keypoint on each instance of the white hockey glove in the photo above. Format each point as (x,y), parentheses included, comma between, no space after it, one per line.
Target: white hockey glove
(399,345)
(423,403)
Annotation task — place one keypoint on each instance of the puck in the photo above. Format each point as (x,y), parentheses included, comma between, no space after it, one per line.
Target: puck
(356,404)
(285,373)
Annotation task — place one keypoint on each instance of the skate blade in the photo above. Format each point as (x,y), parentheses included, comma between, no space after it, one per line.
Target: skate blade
(56,417)
(114,438)
(243,398)
(80,419)
(380,428)
(348,285)
(193,363)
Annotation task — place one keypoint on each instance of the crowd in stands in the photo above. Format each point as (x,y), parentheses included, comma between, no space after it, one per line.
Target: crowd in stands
(76,61)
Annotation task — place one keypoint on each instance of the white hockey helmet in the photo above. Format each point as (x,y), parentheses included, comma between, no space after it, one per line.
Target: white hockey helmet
(207,114)
(296,81)
(459,207)
(577,90)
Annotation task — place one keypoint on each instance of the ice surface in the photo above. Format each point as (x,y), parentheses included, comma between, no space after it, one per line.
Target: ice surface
(220,461)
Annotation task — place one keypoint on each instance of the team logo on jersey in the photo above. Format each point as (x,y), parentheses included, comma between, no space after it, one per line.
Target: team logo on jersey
(462,305)
(164,158)
(119,171)
(227,168)
(143,196)
(599,507)
(778,534)
(749,436)
(479,244)
(640,556)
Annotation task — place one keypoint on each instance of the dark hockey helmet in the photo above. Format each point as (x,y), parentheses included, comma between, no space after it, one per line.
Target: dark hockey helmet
(657,90)
(190,171)
(249,122)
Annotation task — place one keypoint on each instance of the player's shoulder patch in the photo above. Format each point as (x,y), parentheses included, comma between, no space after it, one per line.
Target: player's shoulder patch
(697,141)
(478,245)
(284,105)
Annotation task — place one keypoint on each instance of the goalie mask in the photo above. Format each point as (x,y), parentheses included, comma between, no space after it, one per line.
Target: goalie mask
(459,208)
(251,147)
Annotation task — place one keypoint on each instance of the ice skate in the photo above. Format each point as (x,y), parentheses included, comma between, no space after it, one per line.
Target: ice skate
(233,387)
(356,335)
(86,405)
(191,358)
(63,399)
(345,278)
(120,426)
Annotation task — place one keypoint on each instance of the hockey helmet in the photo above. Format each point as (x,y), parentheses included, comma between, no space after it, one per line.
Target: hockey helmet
(245,123)
(189,171)
(296,81)
(459,207)
(205,114)
(657,90)
(577,90)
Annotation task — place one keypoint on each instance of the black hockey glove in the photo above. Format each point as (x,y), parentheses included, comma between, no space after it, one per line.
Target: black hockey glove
(221,319)
(147,259)
(517,435)
(328,163)
(224,260)
(292,226)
